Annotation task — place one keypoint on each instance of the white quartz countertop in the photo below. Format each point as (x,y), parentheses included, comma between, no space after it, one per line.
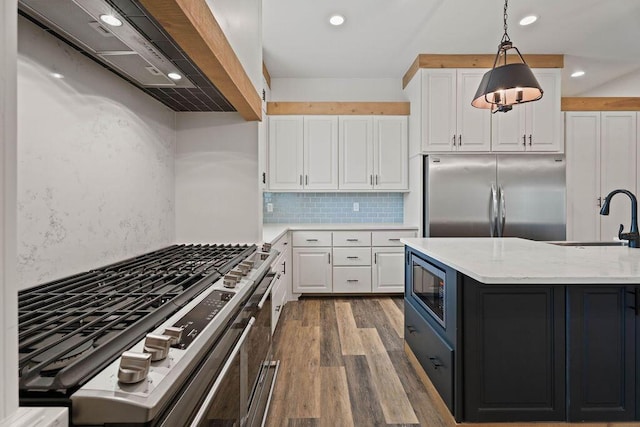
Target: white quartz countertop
(520,261)
(272,232)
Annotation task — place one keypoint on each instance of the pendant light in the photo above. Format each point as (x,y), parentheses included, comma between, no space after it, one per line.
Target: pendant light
(506,84)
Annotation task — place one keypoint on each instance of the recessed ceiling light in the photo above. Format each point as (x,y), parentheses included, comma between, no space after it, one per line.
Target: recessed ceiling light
(578,73)
(336,20)
(174,76)
(57,76)
(527,20)
(111,20)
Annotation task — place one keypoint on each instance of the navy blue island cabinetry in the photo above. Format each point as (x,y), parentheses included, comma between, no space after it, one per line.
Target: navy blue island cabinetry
(524,352)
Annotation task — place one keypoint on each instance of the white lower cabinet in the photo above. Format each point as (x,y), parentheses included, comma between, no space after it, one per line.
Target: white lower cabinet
(351,279)
(388,270)
(312,270)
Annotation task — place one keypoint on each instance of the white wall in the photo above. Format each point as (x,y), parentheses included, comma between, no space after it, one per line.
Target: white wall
(217,196)
(627,85)
(8,300)
(241,22)
(345,90)
(95,163)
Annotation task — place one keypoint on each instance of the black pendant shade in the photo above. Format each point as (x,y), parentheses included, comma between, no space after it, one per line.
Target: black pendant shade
(507,85)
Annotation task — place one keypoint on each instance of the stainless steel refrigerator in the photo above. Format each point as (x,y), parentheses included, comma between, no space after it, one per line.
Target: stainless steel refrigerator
(495,196)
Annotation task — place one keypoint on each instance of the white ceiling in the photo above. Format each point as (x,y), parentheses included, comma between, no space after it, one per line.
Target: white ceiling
(381,38)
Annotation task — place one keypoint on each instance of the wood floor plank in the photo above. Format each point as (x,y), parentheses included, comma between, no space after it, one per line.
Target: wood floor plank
(378,319)
(304,422)
(347,329)
(303,393)
(395,404)
(311,312)
(335,405)
(399,301)
(359,309)
(395,316)
(423,406)
(330,349)
(365,408)
(284,346)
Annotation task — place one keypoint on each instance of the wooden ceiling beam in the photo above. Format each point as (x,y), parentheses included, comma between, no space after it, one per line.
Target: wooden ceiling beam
(192,25)
(339,108)
(600,104)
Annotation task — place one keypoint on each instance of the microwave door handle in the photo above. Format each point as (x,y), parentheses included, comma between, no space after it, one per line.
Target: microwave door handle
(503,212)
(493,212)
(223,372)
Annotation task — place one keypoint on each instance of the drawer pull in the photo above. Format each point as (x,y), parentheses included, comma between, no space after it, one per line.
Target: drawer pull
(394,240)
(277,308)
(411,329)
(436,363)
(312,240)
(352,280)
(353,257)
(353,240)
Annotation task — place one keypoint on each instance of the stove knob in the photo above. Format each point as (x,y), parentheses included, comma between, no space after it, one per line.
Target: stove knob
(174,333)
(134,367)
(157,346)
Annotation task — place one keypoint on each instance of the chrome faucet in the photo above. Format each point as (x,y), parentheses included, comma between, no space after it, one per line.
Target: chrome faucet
(633,236)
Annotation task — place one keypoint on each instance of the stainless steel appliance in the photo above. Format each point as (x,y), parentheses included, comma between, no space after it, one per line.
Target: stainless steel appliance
(428,288)
(174,337)
(495,196)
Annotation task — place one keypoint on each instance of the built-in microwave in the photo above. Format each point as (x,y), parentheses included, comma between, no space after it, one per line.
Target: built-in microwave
(427,287)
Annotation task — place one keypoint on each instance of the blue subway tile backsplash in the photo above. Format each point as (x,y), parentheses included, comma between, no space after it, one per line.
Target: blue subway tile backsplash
(332,208)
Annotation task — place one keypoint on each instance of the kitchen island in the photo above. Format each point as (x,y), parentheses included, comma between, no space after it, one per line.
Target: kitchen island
(511,330)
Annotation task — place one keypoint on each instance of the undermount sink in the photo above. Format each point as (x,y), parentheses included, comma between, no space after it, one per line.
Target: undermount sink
(594,243)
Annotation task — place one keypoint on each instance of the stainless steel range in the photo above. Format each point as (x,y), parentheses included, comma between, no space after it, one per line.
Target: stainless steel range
(177,337)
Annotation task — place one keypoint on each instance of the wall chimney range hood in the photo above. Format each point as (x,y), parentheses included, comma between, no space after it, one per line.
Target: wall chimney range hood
(138,50)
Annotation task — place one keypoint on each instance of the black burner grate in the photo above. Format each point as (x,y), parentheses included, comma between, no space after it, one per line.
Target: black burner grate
(69,329)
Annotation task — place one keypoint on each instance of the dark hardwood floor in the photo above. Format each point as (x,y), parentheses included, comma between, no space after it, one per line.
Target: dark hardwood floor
(343,364)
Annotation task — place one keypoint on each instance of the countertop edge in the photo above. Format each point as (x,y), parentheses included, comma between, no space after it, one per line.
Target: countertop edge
(276,231)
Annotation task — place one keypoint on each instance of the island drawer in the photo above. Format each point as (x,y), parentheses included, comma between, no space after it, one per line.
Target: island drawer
(390,238)
(352,256)
(351,238)
(311,238)
(433,353)
(351,279)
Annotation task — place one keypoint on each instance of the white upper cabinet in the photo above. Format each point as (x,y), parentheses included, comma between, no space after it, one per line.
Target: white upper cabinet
(320,153)
(303,152)
(285,153)
(534,126)
(449,122)
(373,153)
(390,153)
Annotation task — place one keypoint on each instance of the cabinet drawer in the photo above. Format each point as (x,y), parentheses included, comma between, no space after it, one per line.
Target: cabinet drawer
(282,243)
(351,238)
(435,355)
(352,256)
(312,238)
(390,238)
(351,279)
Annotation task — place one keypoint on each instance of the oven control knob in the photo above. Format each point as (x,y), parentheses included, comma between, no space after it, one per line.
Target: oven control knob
(157,345)
(174,333)
(134,367)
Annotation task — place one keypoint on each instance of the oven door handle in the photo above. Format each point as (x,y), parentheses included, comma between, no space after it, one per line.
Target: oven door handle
(223,372)
(266,294)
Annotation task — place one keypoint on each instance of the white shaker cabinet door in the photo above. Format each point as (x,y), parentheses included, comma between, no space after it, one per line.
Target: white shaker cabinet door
(473,124)
(320,152)
(618,168)
(312,270)
(390,153)
(285,153)
(388,269)
(356,152)
(508,130)
(583,176)
(439,110)
(544,120)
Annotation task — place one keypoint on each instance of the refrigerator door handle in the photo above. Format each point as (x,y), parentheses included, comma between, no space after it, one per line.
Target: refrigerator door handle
(493,212)
(503,212)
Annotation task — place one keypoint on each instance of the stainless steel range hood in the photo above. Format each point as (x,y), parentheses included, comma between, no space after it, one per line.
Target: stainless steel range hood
(122,48)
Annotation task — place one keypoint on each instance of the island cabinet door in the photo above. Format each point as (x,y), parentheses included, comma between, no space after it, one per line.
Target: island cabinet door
(601,353)
(514,352)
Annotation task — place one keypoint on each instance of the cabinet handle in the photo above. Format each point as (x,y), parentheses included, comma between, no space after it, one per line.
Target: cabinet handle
(353,257)
(454,140)
(397,239)
(411,329)
(530,138)
(329,257)
(436,363)
(264,177)
(300,179)
(306,180)
(599,202)
(352,240)
(352,280)
(277,308)
(375,258)
(376,179)
(460,140)
(284,267)
(312,240)
(370,179)
(524,140)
